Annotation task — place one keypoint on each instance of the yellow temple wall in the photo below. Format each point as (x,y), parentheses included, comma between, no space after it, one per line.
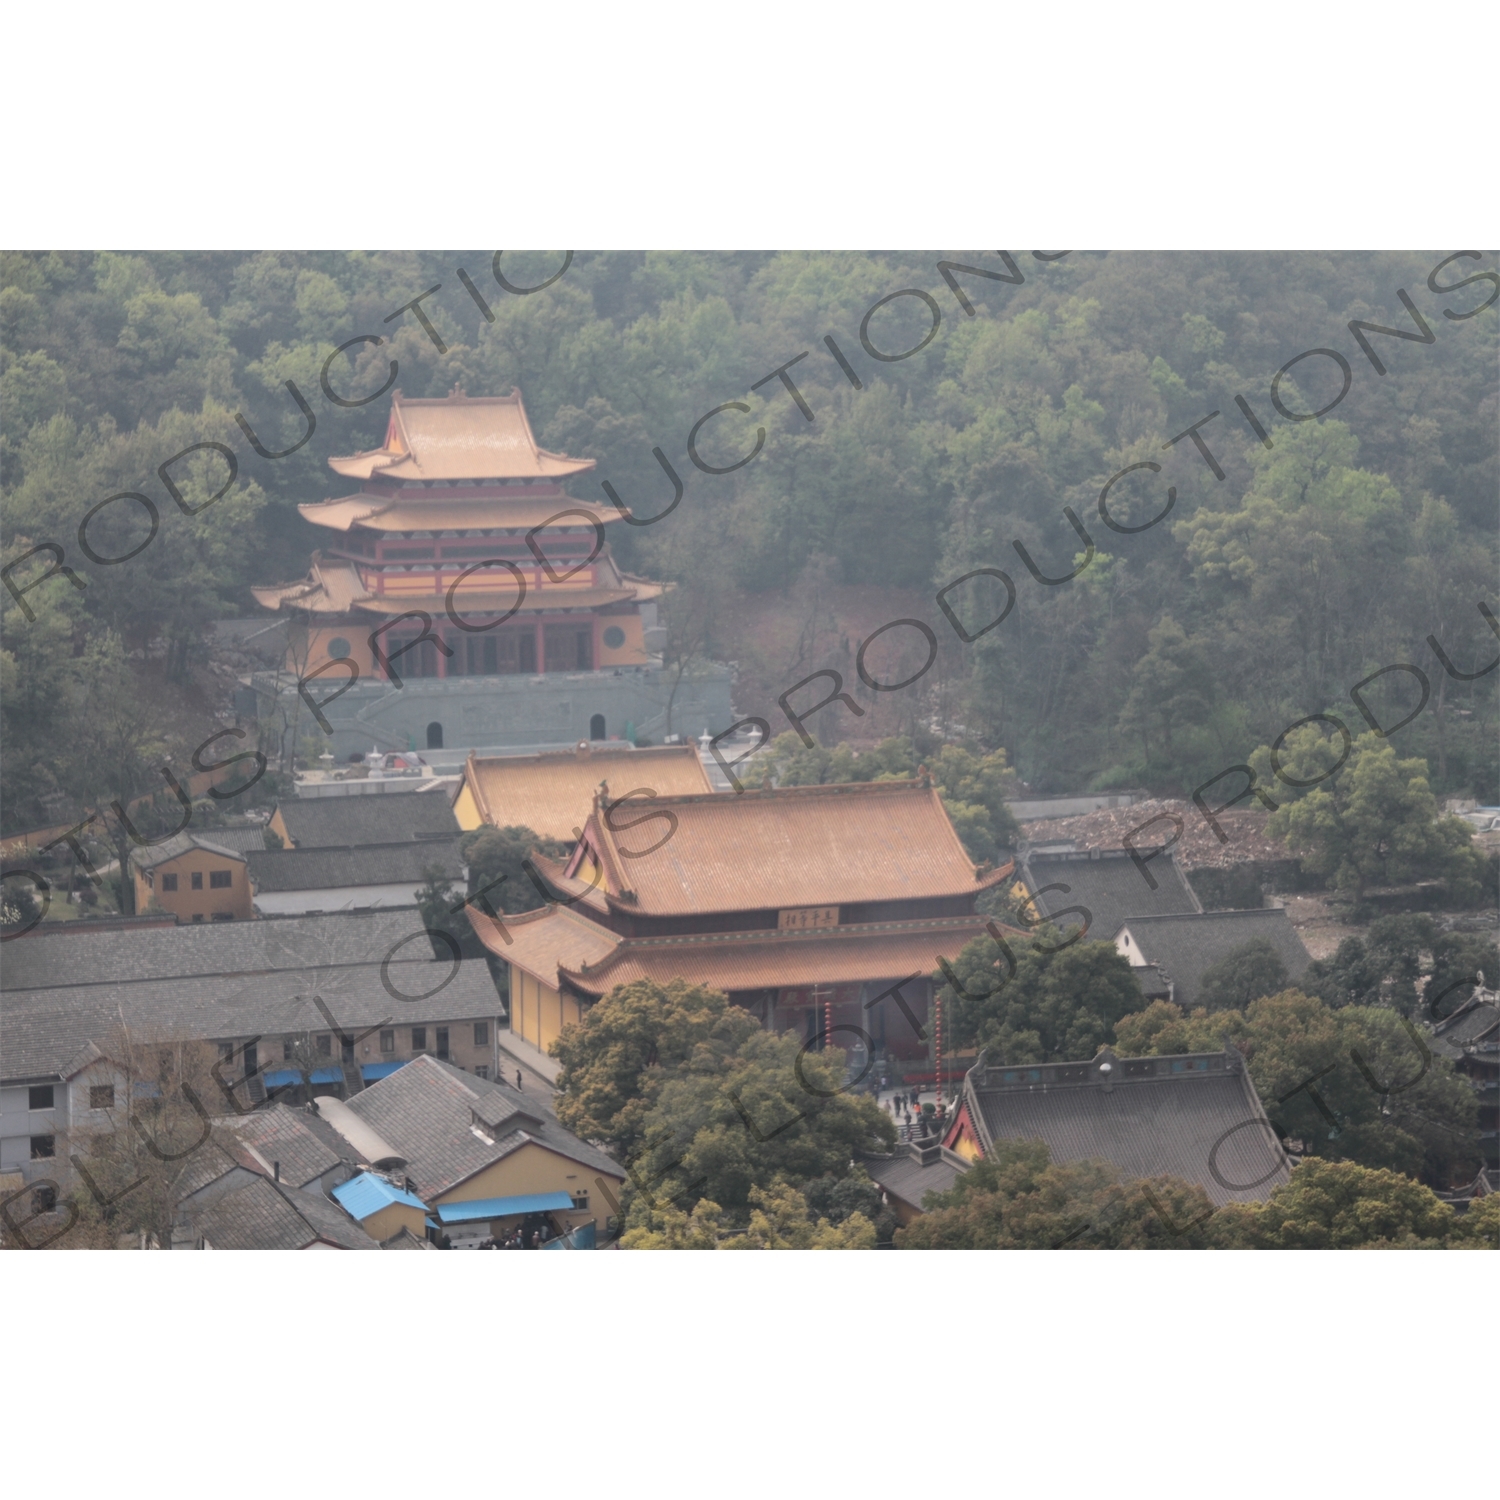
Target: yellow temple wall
(466,809)
(358,637)
(538,1012)
(632,651)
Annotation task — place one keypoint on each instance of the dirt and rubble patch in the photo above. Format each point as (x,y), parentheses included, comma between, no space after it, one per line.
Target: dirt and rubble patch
(1196,848)
(1321,923)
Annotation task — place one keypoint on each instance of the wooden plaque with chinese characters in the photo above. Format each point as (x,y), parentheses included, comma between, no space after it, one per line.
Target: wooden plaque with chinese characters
(808,916)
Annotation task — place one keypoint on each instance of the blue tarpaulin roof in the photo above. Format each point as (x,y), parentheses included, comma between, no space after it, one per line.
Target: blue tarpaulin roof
(367,1194)
(281,1077)
(500,1208)
(372,1071)
(326,1075)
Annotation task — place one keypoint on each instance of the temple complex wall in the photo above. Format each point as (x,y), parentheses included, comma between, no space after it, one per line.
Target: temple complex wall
(479,713)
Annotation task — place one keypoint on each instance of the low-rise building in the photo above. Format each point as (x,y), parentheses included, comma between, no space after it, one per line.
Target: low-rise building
(1097,889)
(262,1214)
(192,876)
(908,1176)
(483,1157)
(1181,949)
(361,877)
(381,1207)
(293,1005)
(341,822)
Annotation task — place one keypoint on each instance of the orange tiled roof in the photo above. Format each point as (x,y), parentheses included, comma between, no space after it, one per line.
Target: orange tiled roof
(334,587)
(559,944)
(543,941)
(459,437)
(551,792)
(438,512)
(330,588)
(797,846)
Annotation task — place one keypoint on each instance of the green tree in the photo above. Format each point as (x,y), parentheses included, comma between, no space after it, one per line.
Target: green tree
(1061,1003)
(1244,974)
(1479,1228)
(496,858)
(1338,1205)
(780,1219)
(970,781)
(1172,688)
(1458,958)
(839,1198)
(1382,968)
(1017,1198)
(727,1124)
(1375,821)
(616,1061)
(441,908)
(114,749)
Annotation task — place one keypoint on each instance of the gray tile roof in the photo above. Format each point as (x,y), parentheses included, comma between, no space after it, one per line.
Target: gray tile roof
(904,1175)
(179,844)
(53,955)
(426,1111)
(1195,1116)
(266,1215)
(296,1139)
(245,840)
(1473,1024)
(1109,884)
(1184,947)
(323,868)
(273,994)
(206,1165)
(340,821)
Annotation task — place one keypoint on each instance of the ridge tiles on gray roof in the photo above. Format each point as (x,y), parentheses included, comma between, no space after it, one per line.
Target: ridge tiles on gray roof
(44,1028)
(427,1110)
(287,1137)
(324,867)
(265,1215)
(1108,884)
(179,844)
(380,819)
(1185,946)
(208,949)
(1195,1116)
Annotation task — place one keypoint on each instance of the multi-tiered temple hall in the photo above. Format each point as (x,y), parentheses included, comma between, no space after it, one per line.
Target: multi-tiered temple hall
(479,601)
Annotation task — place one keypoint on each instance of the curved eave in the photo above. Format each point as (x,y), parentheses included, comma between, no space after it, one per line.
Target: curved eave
(403,466)
(437,513)
(778,959)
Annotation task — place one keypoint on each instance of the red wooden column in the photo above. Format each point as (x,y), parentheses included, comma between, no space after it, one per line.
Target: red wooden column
(541,646)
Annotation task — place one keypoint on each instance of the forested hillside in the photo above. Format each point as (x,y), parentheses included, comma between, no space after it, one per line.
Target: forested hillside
(1331,547)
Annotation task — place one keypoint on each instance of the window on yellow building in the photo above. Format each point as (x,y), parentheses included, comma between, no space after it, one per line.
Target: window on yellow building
(169,882)
(221,880)
(197,880)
